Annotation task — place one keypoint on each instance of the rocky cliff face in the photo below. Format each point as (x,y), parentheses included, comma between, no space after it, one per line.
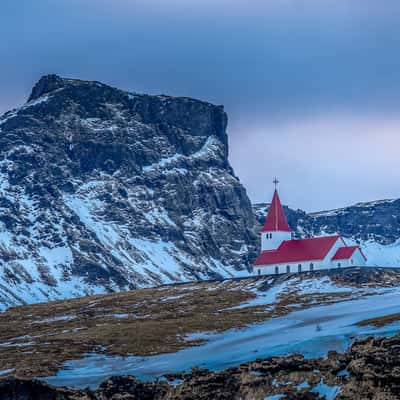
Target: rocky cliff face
(377,221)
(103,190)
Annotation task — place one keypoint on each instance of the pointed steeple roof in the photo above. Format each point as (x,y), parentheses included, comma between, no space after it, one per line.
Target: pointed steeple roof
(276,220)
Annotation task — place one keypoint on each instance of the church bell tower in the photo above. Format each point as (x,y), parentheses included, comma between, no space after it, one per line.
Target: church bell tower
(275,229)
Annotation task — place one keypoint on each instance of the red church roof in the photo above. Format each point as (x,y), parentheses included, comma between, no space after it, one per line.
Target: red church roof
(276,220)
(344,253)
(298,250)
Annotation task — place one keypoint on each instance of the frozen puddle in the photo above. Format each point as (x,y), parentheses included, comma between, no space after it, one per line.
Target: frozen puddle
(312,332)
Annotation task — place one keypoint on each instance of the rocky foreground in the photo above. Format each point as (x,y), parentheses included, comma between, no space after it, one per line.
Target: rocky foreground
(368,370)
(37,340)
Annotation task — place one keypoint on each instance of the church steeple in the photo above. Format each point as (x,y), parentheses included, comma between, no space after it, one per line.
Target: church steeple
(276,220)
(275,229)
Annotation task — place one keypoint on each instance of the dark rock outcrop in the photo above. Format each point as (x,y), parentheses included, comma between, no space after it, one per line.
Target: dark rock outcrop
(21,389)
(103,190)
(378,221)
(368,370)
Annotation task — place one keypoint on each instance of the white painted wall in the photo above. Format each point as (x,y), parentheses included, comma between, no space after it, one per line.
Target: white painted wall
(272,240)
(326,263)
(282,268)
(356,260)
(359,259)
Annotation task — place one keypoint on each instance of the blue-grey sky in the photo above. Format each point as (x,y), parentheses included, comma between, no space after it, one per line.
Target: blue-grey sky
(312,87)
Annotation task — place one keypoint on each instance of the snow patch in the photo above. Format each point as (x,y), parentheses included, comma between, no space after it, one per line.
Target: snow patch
(380,255)
(6,371)
(329,392)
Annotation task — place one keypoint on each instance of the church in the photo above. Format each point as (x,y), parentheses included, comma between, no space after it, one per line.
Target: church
(280,253)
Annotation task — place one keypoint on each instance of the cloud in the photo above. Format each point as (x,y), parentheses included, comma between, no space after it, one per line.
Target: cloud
(292,74)
(325,161)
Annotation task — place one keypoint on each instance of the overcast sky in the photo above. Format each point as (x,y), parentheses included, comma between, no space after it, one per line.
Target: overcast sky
(312,87)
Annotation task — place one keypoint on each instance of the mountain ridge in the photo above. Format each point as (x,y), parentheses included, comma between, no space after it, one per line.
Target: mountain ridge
(377,220)
(107,190)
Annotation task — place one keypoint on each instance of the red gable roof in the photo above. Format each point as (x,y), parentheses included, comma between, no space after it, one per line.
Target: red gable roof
(344,253)
(298,250)
(276,220)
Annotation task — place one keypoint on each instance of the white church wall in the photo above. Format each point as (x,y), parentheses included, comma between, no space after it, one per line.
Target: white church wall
(272,240)
(327,261)
(358,259)
(283,268)
(341,263)
(326,264)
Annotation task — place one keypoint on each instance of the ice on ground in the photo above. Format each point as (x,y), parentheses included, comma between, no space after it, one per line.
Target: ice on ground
(302,385)
(171,298)
(322,285)
(295,332)
(267,297)
(175,382)
(6,371)
(329,392)
(55,319)
(120,316)
(21,344)
(298,286)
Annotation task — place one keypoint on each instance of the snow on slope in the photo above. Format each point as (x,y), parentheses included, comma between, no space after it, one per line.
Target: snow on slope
(380,255)
(104,190)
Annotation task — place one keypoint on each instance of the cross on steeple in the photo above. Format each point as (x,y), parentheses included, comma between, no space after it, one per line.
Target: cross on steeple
(275,182)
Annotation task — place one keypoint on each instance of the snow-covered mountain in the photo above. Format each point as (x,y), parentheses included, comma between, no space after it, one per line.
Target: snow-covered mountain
(102,189)
(374,225)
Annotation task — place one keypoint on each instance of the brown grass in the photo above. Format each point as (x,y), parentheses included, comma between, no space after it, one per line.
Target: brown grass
(37,339)
(380,321)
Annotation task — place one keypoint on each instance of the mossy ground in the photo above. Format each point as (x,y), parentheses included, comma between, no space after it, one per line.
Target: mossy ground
(36,340)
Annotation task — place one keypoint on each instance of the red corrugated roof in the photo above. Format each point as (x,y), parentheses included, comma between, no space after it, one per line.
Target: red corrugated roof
(344,253)
(298,250)
(276,220)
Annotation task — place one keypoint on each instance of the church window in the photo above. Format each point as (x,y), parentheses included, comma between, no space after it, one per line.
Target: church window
(288,269)
(270,235)
(339,265)
(311,267)
(299,267)
(352,261)
(259,271)
(276,270)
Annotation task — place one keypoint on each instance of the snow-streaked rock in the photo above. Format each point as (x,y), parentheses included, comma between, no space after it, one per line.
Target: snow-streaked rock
(104,190)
